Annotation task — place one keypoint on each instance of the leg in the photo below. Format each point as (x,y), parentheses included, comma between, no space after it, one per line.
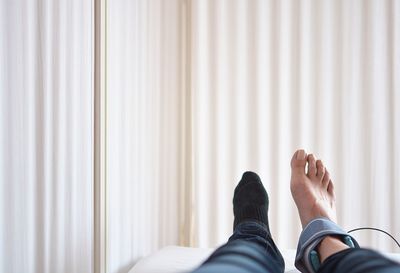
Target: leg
(358,260)
(250,249)
(314,196)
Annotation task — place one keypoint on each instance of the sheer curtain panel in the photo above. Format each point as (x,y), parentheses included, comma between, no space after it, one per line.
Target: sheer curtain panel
(271,76)
(46,136)
(147,169)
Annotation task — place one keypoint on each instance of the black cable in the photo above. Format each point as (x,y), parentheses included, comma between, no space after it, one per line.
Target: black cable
(376,229)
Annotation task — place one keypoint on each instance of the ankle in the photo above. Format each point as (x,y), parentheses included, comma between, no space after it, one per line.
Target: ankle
(329,246)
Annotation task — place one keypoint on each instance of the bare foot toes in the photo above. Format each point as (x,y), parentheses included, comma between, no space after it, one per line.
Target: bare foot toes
(312,188)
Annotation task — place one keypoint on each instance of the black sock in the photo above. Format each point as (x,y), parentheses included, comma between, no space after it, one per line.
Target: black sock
(250,201)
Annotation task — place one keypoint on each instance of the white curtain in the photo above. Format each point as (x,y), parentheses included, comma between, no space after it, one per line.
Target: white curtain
(201,91)
(46,136)
(272,76)
(146,166)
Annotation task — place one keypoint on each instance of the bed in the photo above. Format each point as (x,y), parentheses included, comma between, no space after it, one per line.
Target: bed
(176,259)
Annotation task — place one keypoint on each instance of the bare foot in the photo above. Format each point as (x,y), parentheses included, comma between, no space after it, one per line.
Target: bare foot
(312,190)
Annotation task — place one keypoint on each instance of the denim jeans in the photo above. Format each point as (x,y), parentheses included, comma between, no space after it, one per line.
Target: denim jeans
(249,250)
(358,260)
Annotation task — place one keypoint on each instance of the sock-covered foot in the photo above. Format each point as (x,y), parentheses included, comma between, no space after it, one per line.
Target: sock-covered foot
(312,191)
(250,201)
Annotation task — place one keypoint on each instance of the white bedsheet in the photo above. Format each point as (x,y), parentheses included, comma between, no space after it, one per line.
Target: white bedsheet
(176,259)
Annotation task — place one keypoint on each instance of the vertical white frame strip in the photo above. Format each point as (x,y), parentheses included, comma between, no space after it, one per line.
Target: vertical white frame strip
(100,135)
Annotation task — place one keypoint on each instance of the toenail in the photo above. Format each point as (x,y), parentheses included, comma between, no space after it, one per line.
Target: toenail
(300,155)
